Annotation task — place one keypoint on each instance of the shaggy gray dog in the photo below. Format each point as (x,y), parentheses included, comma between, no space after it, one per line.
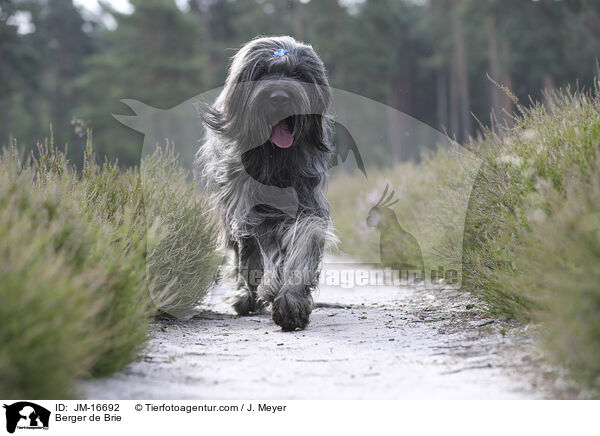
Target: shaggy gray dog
(265,158)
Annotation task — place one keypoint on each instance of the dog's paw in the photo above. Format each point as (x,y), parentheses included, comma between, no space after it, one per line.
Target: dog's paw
(244,302)
(290,312)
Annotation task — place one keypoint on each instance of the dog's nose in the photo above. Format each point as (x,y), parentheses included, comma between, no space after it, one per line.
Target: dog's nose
(279,98)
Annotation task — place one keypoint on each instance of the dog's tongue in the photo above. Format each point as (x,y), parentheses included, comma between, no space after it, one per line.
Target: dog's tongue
(281,136)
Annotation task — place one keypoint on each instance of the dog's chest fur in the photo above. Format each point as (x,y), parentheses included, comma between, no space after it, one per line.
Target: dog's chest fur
(273,166)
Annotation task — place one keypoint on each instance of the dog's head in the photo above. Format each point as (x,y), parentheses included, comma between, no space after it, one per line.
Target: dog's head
(276,91)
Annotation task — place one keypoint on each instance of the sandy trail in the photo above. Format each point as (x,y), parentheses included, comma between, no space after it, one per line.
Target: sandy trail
(385,343)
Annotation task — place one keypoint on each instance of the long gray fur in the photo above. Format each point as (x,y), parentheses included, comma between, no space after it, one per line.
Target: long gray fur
(271,200)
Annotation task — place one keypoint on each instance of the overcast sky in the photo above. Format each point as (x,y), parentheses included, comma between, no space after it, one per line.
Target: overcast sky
(92,5)
(124,6)
(23,19)
(119,5)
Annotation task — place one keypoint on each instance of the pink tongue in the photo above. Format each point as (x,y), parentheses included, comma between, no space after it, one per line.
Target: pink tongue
(281,136)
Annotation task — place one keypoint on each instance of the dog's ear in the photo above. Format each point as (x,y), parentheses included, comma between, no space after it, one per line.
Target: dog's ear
(212,117)
(344,143)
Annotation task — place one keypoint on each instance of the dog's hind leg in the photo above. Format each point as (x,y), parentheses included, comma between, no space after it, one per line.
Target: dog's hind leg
(304,244)
(248,269)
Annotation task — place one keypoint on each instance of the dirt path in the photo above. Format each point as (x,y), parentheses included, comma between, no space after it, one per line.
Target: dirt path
(386,342)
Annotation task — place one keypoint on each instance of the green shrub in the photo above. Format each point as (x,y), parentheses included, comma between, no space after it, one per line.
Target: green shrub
(47,306)
(181,236)
(531,244)
(547,142)
(559,264)
(73,248)
(431,199)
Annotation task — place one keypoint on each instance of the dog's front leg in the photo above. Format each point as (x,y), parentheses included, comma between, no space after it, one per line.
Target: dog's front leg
(303,243)
(249,273)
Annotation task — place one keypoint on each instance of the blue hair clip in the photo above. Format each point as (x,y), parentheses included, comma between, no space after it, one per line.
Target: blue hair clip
(279,53)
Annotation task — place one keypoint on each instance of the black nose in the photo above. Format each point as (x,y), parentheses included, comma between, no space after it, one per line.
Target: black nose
(279,98)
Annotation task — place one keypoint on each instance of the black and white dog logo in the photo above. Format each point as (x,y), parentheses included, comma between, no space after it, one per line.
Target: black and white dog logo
(26,415)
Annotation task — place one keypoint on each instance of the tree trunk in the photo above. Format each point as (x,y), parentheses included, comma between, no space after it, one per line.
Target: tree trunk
(461,76)
(494,65)
(506,101)
(395,129)
(501,102)
(454,102)
(441,90)
(201,8)
(548,85)
(298,21)
(5,120)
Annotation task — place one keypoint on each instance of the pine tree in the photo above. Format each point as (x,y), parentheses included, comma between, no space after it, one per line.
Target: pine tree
(153,55)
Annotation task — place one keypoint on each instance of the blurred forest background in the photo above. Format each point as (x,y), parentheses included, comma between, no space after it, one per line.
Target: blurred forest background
(66,66)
